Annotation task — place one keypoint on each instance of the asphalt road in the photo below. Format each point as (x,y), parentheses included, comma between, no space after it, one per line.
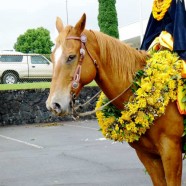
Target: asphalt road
(67,154)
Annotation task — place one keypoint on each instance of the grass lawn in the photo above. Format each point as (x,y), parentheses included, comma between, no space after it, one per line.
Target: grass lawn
(35,85)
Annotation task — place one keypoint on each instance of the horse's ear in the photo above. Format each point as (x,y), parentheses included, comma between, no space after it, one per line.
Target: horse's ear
(80,25)
(59,24)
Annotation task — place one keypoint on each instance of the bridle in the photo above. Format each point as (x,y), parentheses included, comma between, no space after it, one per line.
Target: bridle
(77,75)
(83,49)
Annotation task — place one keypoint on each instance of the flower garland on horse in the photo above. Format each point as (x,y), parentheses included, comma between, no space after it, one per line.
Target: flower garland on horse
(153,88)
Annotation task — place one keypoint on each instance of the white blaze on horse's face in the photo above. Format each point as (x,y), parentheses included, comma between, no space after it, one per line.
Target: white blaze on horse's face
(58,54)
(59,98)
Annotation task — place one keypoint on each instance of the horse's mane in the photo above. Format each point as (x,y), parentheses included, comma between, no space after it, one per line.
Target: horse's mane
(116,53)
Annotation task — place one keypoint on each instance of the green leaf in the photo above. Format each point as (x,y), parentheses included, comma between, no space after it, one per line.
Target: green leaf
(183,99)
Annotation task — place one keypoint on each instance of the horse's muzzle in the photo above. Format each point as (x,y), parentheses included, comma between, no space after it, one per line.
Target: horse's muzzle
(57,108)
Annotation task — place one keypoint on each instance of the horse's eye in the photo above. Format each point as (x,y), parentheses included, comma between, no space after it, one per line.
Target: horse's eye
(70,58)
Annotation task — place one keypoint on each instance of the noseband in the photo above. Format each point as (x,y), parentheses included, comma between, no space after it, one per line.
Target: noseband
(83,49)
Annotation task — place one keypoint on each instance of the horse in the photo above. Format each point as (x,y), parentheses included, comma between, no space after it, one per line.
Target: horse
(81,56)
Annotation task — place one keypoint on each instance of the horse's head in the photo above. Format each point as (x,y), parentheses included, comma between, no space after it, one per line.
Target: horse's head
(73,65)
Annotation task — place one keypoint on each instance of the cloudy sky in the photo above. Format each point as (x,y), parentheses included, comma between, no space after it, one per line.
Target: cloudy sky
(17,16)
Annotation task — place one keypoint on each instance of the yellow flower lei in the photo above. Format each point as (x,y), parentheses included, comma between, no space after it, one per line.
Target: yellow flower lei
(159,9)
(157,86)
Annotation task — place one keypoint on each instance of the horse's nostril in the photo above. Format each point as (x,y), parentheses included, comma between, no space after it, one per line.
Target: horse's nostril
(56,106)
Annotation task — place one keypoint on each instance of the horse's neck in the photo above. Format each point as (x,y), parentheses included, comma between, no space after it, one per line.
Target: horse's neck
(112,86)
(115,78)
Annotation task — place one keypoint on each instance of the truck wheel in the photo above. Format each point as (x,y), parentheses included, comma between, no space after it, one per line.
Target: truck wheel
(9,78)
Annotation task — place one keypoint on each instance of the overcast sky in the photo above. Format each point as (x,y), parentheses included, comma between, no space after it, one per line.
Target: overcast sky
(16,16)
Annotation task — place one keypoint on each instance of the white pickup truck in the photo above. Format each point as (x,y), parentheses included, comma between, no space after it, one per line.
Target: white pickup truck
(20,67)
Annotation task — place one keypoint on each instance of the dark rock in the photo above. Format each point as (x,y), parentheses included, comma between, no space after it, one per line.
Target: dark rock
(28,106)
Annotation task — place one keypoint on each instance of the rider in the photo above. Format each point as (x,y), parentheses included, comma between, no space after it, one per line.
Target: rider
(167,20)
(166,28)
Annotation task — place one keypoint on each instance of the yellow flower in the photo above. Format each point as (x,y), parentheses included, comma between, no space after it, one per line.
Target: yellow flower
(142,102)
(151,118)
(149,72)
(151,101)
(145,123)
(146,86)
(159,85)
(116,128)
(114,135)
(140,117)
(161,110)
(131,127)
(157,93)
(140,92)
(132,108)
(125,116)
(172,84)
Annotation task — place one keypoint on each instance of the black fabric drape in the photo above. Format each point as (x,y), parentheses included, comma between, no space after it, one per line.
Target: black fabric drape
(173,22)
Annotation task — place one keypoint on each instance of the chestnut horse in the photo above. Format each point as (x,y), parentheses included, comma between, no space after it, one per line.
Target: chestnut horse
(112,64)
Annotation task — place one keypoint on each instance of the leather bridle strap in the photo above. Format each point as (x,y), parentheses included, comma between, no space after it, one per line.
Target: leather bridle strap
(77,74)
(83,39)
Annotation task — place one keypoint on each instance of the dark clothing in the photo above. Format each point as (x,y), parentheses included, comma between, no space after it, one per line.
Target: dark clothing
(173,22)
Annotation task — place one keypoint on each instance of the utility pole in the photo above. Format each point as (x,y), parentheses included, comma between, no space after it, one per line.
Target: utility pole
(140,21)
(67,10)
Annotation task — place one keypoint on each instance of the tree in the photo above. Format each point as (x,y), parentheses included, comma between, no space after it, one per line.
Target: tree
(34,41)
(107,18)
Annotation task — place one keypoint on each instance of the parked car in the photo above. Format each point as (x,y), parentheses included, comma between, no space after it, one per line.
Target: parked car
(16,67)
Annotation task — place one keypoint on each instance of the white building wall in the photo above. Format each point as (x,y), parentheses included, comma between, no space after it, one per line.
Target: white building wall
(133,32)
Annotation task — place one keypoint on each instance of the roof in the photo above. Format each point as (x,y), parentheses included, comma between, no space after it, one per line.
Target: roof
(7,53)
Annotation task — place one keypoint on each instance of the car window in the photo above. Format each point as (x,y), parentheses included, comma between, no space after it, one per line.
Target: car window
(11,58)
(38,60)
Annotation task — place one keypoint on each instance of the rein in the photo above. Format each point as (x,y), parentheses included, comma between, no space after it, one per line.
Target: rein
(76,79)
(100,108)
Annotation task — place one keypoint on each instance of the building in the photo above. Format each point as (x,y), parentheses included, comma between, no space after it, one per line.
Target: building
(133,33)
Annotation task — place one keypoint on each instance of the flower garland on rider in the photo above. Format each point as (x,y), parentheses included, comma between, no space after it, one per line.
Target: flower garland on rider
(159,9)
(153,88)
